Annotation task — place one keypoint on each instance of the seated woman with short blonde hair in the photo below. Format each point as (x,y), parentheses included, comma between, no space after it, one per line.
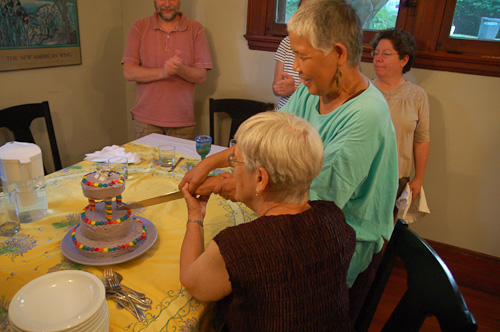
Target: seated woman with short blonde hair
(287,269)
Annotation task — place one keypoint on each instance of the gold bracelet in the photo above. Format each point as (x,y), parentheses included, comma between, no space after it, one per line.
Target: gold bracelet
(199,222)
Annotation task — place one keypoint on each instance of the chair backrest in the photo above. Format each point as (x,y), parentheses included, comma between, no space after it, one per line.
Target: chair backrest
(238,109)
(432,290)
(18,119)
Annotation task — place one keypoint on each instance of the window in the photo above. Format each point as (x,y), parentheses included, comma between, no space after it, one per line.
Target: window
(384,18)
(452,35)
(285,9)
(469,25)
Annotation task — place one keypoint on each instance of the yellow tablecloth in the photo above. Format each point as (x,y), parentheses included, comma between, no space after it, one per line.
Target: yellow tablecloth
(35,250)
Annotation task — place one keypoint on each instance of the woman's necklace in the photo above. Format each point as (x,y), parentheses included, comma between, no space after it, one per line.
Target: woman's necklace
(334,106)
(337,102)
(354,96)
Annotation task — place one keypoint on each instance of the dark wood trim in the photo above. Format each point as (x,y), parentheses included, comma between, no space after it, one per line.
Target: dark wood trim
(470,268)
(425,24)
(273,28)
(263,43)
(458,63)
(256,18)
(448,59)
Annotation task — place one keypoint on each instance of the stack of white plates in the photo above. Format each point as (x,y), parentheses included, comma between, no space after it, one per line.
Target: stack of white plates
(65,301)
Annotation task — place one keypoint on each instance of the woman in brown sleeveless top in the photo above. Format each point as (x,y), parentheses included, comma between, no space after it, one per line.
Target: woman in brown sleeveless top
(286,270)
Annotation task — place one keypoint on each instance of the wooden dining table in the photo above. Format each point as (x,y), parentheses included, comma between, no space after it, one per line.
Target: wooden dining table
(36,249)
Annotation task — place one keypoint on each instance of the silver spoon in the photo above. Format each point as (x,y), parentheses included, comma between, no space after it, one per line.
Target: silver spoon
(138,302)
(175,165)
(122,305)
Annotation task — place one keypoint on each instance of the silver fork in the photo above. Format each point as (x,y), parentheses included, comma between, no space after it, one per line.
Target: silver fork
(134,295)
(120,298)
(138,297)
(115,286)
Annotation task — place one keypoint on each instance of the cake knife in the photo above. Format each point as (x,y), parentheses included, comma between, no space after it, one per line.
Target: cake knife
(153,201)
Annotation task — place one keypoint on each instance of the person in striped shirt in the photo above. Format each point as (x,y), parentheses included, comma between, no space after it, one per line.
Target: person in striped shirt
(286,80)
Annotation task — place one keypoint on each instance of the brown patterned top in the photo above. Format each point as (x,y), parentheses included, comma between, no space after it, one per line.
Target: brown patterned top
(288,272)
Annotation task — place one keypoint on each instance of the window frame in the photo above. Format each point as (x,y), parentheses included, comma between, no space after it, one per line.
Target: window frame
(416,17)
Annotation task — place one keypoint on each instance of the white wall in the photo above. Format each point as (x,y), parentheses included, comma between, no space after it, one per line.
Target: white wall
(90,106)
(462,179)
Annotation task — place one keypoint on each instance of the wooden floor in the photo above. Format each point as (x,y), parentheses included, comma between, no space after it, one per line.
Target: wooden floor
(485,307)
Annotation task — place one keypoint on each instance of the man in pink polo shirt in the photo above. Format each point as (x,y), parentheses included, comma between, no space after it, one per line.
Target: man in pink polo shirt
(166,55)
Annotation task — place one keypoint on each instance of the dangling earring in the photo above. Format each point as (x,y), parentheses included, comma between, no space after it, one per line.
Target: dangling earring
(338,76)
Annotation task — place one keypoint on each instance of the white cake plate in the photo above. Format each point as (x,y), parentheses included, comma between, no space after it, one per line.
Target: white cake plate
(72,253)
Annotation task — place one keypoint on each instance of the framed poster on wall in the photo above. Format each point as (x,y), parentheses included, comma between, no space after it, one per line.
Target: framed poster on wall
(38,33)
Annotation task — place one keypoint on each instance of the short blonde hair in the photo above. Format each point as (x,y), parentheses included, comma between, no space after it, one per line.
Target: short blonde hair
(288,147)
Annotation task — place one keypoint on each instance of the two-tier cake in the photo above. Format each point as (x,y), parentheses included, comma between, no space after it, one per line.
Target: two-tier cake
(103,231)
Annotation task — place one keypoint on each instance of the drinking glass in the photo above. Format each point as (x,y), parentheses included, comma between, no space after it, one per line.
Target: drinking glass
(166,155)
(119,164)
(9,222)
(203,145)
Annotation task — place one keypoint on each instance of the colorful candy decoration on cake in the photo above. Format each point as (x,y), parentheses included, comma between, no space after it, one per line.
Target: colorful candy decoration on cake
(119,247)
(101,223)
(91,204)
(103,185)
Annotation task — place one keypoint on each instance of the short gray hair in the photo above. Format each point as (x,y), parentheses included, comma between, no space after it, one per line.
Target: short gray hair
(288,147)
(327,22)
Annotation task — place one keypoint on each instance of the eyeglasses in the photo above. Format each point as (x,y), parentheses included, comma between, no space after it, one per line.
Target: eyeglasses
(385,54)
(231,159)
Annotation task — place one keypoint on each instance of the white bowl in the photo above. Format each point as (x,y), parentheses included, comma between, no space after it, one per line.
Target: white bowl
(57,301)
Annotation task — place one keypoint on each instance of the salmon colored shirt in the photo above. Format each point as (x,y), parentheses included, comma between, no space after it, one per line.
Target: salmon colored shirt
(168,102)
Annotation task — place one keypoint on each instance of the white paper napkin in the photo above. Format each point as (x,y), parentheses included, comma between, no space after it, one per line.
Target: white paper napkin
(411,210)
(113,151)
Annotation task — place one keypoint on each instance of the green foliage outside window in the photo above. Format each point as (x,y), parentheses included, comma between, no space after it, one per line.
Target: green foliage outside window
(466,21)
(291,7)
(385,18)
(468,13)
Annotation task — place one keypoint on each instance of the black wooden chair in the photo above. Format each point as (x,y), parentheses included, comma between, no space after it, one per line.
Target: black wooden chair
(238,110)
(432,290)
(18,119)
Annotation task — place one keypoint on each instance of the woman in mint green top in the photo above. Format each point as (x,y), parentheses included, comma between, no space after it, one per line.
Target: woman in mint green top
(360,171)
(360,167)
